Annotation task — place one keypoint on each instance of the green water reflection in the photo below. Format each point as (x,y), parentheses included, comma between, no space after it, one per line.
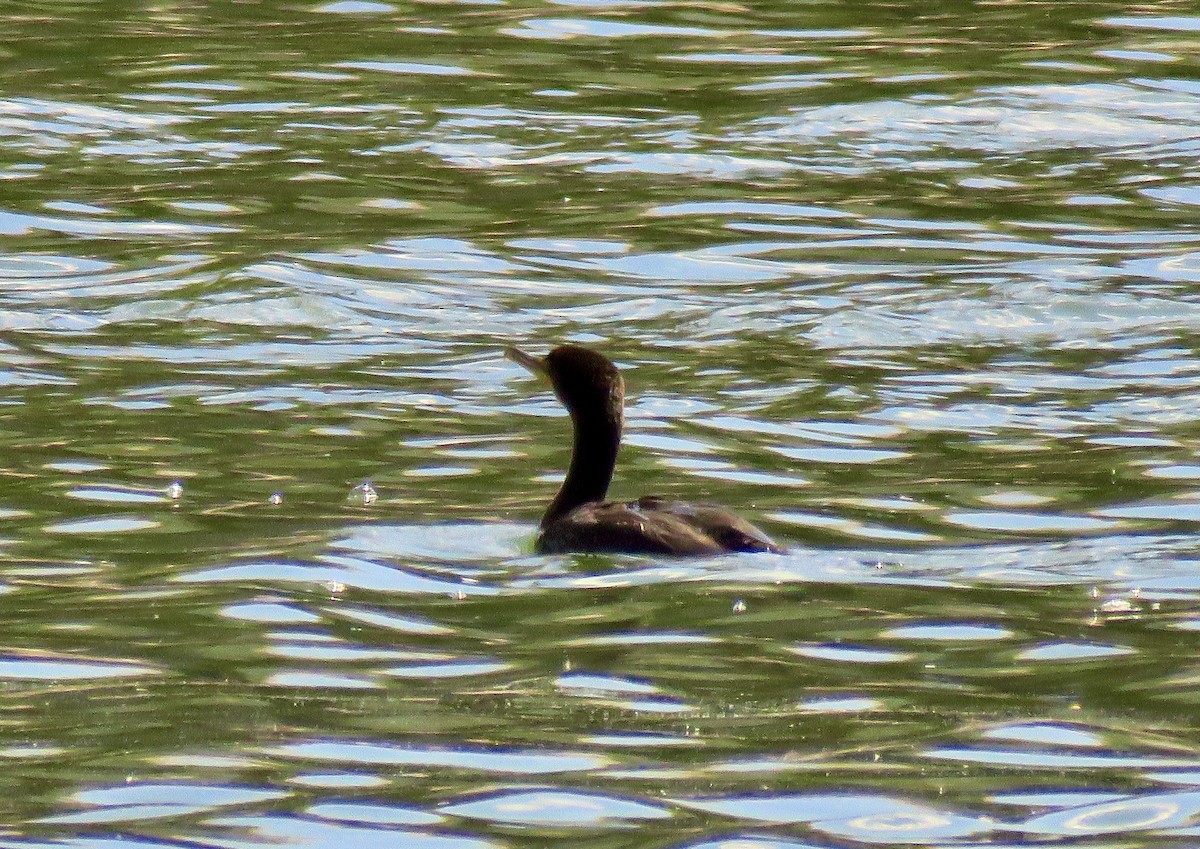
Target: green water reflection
(912,286)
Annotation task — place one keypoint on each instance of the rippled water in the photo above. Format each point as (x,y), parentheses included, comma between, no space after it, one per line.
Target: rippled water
(915,287)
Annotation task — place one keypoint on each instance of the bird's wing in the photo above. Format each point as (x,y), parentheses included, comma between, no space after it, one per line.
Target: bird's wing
(728,530)
(631,527)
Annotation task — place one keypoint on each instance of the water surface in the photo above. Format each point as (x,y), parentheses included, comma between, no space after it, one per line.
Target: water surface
(914,287)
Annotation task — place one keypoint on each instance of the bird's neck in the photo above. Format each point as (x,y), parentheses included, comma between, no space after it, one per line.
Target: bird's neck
(593,458)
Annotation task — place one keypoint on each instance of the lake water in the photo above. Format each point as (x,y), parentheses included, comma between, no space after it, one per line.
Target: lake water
(914,286)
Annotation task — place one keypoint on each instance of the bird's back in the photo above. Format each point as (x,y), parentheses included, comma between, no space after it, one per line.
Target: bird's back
(652,525)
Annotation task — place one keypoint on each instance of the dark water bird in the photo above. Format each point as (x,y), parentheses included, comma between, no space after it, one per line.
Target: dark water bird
(579,519)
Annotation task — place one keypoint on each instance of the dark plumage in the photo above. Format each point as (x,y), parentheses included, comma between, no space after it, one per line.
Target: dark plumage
(578,519)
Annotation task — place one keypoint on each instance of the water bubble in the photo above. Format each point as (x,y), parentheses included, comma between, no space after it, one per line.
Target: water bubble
(1119,605)
(366,492)
(175,490)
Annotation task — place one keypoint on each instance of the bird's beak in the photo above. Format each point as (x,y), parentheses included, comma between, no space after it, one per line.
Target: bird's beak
(537,365)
